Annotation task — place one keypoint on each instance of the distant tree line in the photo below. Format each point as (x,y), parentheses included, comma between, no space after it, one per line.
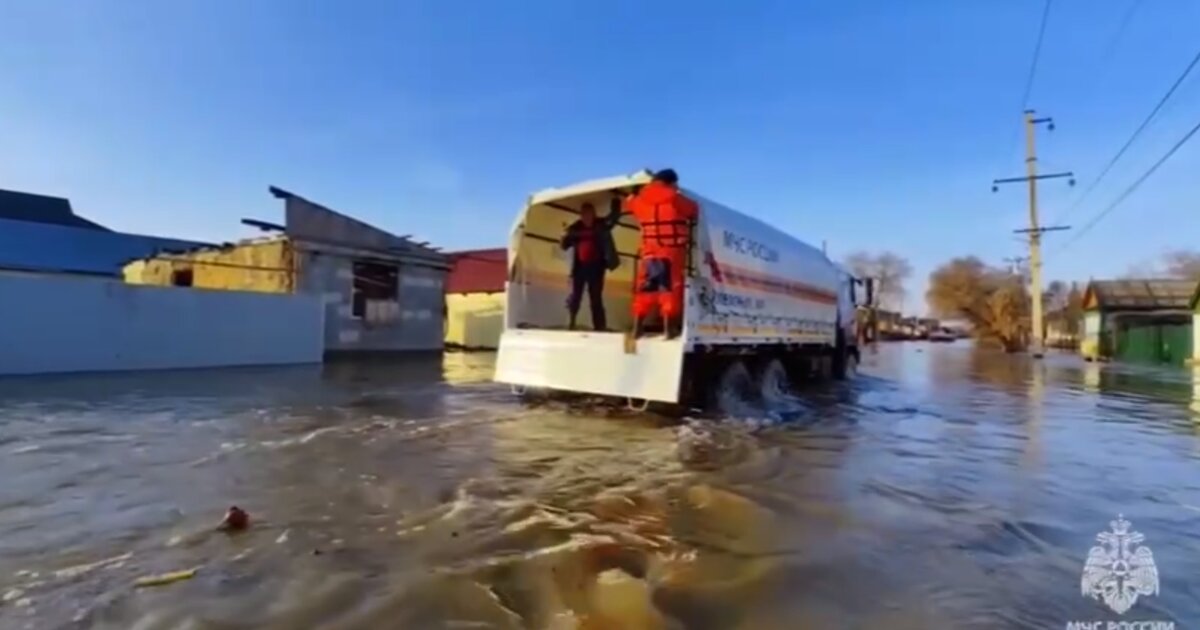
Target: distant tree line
(1184,264)
(995,300)
(997,304)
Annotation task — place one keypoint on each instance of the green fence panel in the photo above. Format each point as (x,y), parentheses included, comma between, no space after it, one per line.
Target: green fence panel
(1176,343)
(1138,343)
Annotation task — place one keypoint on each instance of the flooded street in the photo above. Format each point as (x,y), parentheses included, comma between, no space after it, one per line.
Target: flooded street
(946,487)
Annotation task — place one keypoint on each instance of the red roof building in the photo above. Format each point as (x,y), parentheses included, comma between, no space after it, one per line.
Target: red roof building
(478,271)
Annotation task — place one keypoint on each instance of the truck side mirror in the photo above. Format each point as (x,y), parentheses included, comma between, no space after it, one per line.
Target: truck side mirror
(870,282)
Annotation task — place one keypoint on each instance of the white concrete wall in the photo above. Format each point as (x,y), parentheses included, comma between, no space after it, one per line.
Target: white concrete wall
(54,324)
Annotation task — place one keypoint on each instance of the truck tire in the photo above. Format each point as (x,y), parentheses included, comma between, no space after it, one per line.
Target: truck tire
(845,359)
(733,388)
(773,381)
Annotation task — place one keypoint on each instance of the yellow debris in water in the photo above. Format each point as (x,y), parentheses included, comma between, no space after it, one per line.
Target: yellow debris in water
(731,522)
(165,578)
(619,600)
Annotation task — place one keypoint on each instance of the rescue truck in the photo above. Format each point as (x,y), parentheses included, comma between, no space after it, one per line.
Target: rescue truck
(762,309)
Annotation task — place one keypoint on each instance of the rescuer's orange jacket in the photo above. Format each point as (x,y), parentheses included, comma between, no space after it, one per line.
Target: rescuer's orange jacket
(665,216)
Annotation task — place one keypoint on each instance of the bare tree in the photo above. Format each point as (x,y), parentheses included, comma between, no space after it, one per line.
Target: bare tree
(1064,306)
(1182,264)
(889,271)
(993,300)
(1073,312)
(1055,296)
(1141,270)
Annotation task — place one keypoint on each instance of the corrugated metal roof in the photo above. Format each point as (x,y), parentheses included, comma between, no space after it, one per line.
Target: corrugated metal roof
(20,206)
(478,271)
(33,246)
(1149,294)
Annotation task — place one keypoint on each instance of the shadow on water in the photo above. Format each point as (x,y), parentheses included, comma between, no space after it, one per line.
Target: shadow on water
(946,486)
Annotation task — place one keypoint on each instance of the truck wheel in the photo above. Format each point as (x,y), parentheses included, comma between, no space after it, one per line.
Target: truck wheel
(734,387)
(845,360)
(773,381)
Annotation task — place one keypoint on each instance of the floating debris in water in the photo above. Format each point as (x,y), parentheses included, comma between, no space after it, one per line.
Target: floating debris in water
(80,569)
(165,578)
(236,519)
(624,601)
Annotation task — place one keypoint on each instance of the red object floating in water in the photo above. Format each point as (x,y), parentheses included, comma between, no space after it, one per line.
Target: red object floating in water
(235,519)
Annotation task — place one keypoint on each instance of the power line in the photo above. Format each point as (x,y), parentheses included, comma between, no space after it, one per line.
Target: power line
(1130,190)
(1137,132)
(1033,64)
(1102,70)
(1037,53)
(1126,19)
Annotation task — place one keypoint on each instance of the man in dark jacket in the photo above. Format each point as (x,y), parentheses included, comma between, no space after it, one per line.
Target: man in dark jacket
(595,255)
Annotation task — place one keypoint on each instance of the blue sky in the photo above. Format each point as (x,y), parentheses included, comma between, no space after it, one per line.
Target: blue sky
(869,125)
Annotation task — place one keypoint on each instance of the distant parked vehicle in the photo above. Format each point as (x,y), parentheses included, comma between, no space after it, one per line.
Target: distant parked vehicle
(942,335)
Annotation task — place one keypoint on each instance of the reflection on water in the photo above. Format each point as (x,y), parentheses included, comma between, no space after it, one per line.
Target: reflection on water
(945,487)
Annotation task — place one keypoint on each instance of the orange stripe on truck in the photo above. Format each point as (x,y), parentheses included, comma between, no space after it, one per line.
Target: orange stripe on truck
(750,331)
(764,283)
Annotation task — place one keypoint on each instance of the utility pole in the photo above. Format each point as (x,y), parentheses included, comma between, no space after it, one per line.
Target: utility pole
(1035,230)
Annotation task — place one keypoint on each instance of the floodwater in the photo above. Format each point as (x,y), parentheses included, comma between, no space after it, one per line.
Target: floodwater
(946,487)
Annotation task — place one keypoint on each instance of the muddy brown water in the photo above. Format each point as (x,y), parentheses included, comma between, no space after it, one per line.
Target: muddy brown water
(946,487)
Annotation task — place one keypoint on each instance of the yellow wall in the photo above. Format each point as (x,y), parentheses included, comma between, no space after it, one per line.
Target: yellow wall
(474,320)
(265,267)
(1196,340)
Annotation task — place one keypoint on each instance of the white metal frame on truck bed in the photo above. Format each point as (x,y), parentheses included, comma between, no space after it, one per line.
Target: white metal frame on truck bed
(749,288)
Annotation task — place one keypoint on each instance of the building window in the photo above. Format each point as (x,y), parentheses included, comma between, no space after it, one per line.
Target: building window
(373,282)
(181,277)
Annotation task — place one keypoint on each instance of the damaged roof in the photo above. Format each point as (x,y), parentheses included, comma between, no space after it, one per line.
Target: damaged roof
(309,220)
(31,208)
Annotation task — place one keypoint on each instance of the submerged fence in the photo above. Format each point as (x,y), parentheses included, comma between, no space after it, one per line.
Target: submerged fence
(59,323)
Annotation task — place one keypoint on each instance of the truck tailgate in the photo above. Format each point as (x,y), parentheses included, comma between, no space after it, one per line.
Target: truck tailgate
(590,362)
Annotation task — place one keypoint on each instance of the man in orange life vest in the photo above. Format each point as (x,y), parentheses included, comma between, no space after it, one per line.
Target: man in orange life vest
(666,217)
